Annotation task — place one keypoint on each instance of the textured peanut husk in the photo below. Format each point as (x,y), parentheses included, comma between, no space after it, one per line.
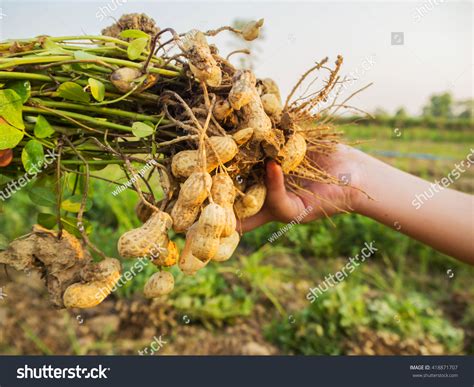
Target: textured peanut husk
(60,261)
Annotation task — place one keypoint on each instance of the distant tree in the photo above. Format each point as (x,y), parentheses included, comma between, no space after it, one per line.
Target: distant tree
(465,108)
(380,112)
(440,105)
(401,113)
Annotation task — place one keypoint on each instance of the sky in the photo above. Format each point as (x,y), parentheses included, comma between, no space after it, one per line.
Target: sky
(434,55)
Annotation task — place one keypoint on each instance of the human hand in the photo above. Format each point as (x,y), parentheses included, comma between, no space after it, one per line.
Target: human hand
(315,200)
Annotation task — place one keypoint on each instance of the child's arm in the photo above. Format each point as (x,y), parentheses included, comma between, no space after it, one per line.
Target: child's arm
(445,221)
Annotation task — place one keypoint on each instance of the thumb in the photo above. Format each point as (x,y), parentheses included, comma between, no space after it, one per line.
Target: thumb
(280,203)
(274,179)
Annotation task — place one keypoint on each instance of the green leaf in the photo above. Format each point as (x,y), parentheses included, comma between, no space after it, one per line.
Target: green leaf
(32,156)
(82,55)
(136,48)
(22,88)
(42,128)
(141,129)
(9,136)
(11,108)
(73,204)
(133,34)
(54,48)
(97,89)
(47,220)
(73,92)
(42,196)
(70,225)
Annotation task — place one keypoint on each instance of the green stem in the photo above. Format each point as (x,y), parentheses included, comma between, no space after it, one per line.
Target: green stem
(28,76)
(92,162)
(42,141)
(6,63)
(57,128)
(100,110)
(103,38)
(100,151)
(77,116)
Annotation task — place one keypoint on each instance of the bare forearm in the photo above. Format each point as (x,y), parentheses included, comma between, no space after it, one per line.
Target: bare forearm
(445,220)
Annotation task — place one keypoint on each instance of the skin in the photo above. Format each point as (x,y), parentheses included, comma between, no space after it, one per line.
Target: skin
(378,191)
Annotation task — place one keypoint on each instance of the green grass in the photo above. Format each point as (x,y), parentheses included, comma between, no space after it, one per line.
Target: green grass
(324,326)
(383,132)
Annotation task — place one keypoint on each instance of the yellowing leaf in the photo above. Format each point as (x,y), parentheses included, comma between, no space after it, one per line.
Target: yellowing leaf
(9,135)
(133,34)
(97,89)
(136,48)
(11,108)
(73,204)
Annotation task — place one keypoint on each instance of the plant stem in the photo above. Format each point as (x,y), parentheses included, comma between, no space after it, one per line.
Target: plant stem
(6,63)
(63,38)
(92,162)
(97,122)
(102,110)
(57,128)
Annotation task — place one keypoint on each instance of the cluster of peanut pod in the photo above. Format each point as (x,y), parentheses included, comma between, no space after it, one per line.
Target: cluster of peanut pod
(216,185)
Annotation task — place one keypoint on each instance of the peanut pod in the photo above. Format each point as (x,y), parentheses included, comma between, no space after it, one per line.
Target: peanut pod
(167,257)
(272,105)
(142,241)
(223,193)
(192,194)
(188,263)
(98,284)
(159,284)
(252,202)
(210,225)
(293,153)
(201,62)
(242,136)
(219,148)
(227,247)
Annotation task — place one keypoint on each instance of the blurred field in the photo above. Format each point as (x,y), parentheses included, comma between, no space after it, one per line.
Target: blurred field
(407,299)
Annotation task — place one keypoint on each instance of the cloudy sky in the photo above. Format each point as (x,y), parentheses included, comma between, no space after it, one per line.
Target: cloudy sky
(430,52)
